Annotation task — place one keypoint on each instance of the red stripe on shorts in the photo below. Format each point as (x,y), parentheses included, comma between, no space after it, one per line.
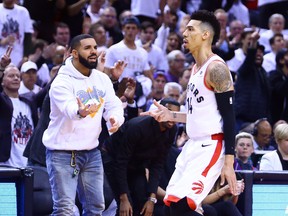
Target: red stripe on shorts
(216,154)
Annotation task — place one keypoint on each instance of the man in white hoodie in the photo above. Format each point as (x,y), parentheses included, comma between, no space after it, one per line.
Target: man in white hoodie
(79,96)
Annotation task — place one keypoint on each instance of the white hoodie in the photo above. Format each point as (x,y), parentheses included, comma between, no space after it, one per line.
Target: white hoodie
(66,131)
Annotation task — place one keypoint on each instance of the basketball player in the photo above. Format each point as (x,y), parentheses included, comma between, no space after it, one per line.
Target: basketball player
(208,153)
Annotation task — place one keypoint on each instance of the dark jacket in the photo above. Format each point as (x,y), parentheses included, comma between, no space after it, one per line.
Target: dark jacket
(252,91)
(6,112)
(279,95)
(139,144)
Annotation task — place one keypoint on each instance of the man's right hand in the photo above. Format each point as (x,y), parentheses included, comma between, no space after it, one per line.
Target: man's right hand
(162,114)
(125,206)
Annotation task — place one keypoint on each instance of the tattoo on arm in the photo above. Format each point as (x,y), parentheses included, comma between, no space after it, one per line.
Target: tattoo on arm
(220,78)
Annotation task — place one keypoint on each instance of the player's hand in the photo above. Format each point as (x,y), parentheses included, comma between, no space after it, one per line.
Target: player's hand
(147,209)
(162,114)
(228,173)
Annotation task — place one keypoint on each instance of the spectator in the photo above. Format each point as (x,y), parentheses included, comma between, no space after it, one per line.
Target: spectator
(44,14)
(73,15)
(206,5)
(222,47)
(157,93)
(166,30)
(262,134)
(136,59)
(61,34)
(221,199)
(266,8)
(277,43)
(279,87)
(183,81)
(173,42)
(156,57)
(240,12)
(243,151)
(98,31)
(109,21)
(236,28)
(172,90)
(94,10)
(80,96)
(240,53)
(29,78)
(125,14)
(174,6)
(141,143)
(147,10)
(277,159)
(16,30)
(18,118)
(176,60)
(252,90)
(276,25)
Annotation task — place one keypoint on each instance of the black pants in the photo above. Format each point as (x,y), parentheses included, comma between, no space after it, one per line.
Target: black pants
(180,208)
(137,184)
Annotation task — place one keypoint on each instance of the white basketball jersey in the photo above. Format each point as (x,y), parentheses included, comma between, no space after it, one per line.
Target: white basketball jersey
(203,117)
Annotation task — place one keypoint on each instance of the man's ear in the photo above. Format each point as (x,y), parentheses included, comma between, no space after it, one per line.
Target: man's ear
(205,35)
(74,53)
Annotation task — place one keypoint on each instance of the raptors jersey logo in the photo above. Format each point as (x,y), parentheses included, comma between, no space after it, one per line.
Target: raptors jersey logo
(198,187)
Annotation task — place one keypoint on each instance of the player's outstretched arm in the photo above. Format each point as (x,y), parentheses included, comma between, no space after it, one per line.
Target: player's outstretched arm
(162,114)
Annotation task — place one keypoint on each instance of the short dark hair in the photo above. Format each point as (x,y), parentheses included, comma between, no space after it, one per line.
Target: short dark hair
(172,101)
(209,18)
(147,24)
(60,25)
(131,20)
(75,42)
(279,56)
(272,39)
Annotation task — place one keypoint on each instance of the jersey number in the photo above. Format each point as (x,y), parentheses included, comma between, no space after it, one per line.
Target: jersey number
(189,105)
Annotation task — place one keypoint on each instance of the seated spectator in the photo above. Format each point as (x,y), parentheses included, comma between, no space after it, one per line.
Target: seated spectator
(262,133)
(183,81)
(29,78)
(236,28)
(157,93)
(276,25)
(18,117)
(277,159)
(243,150)
(176,61)
(279,87)
(108,19)
(222,201)
(277,43)
(98,31)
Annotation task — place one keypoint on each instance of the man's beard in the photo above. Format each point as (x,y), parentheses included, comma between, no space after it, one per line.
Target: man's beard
(86,63)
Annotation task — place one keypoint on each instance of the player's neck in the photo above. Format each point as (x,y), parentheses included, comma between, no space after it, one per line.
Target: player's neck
(202,57)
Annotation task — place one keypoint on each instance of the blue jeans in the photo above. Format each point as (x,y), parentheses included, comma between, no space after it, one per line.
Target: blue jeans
(87,181)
